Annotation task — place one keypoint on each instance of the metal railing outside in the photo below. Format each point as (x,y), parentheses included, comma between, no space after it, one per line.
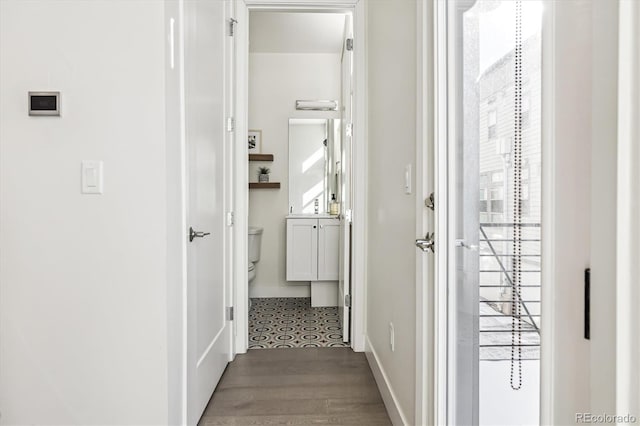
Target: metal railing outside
(498,292)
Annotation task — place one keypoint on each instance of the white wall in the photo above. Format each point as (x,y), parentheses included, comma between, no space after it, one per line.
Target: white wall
(566,210)
(276,81)
(390,292)
(83,284)
(603,201)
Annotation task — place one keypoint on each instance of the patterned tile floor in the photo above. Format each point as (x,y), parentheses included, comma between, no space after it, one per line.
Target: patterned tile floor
(291,322)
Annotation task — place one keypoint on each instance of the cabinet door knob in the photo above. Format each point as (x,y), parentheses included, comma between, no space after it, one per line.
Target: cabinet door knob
(314,227)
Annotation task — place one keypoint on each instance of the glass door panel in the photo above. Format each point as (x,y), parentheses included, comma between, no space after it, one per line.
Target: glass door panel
(494,161)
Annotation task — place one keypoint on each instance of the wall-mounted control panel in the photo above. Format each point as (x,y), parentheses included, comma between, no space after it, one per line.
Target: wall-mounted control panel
(44,103)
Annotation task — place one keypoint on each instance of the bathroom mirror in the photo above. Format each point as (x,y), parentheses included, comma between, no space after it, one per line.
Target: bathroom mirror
(314,164)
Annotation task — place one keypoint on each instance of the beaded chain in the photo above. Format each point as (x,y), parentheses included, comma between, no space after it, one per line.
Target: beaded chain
(516,307)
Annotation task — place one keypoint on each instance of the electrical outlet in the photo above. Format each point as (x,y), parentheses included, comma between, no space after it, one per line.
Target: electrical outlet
(392,337)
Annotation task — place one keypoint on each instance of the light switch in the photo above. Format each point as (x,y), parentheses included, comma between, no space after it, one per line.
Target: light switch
(92,177)
(407,179)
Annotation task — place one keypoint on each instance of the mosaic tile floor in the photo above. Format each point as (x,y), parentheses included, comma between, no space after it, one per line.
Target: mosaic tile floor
(291,322)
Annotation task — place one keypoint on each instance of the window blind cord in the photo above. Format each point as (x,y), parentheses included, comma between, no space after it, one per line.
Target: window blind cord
(516,307)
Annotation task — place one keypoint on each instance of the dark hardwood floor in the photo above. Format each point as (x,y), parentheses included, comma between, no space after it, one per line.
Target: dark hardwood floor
(305,386)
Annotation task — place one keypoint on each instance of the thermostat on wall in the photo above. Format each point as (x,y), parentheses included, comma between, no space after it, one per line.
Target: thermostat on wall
(44,103)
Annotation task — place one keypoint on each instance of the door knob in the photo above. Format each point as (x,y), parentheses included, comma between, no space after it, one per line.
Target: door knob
(428,243)
(196,234)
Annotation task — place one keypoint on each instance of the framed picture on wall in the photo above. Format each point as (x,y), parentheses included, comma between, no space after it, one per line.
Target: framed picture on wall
(255,141)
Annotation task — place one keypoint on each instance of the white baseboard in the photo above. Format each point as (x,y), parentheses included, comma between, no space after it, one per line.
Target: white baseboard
(388,396)
(280,291)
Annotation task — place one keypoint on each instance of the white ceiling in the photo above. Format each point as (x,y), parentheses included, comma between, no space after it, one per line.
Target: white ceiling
(288,32)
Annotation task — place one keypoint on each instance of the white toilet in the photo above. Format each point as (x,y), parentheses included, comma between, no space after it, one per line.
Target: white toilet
(255,240)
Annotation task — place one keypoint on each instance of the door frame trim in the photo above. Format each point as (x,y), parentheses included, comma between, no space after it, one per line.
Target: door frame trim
(359,154)
(425,220)
(440,161)
(547,244)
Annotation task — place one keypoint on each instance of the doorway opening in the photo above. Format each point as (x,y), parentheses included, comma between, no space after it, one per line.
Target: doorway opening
(299,116)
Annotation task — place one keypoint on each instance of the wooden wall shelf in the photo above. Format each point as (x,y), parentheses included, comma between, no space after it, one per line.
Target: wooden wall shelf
(260,157)
(264,185)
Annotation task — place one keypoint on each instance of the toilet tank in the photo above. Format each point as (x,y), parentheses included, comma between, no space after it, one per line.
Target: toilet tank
(255,240)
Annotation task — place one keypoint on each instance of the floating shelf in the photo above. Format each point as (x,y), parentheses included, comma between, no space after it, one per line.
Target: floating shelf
(264,185)
(260,157)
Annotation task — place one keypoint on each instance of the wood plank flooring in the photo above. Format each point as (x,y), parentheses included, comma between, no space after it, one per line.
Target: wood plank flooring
(302,386)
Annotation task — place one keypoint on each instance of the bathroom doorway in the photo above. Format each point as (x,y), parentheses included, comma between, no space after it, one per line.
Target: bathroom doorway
(303,282)
(296,114)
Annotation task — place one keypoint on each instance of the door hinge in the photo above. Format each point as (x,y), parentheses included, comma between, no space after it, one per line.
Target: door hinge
(347,300)
(231,124)
(230,313)
(428,243)
(232,27)
(430,202)
(230,219)
(348,215)
(349,44)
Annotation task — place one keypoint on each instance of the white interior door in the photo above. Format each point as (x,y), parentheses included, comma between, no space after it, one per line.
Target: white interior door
(208,331)
(344,183)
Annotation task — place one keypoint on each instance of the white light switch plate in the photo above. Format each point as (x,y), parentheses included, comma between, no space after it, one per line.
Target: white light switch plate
(407,179)
(92,177)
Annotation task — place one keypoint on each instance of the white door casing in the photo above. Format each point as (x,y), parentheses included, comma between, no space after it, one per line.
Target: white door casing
(208,331)
(345,182)
(425,218)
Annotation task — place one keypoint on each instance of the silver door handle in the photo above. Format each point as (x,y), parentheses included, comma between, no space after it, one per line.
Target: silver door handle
(428,243)
(462,243)
(196,234)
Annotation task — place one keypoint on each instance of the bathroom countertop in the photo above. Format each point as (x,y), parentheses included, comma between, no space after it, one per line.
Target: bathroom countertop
(312,216)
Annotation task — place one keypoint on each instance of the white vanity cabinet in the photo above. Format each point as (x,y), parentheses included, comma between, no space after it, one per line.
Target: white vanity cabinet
(328,249)
(302,249)
(313,256)
(312,249)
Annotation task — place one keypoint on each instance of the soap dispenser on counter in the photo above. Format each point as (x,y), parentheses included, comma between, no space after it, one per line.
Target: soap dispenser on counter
(334,207)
